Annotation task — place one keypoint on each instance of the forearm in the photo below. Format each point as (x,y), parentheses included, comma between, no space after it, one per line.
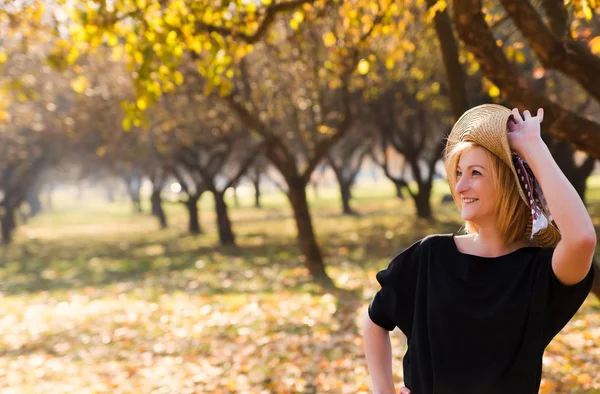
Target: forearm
(566,207)
(378,352)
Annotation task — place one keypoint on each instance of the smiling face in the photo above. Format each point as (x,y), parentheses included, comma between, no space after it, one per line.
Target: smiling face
(475,172)
(475,186)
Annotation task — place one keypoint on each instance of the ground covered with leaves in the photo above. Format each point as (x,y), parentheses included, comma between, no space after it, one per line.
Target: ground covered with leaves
(95,300)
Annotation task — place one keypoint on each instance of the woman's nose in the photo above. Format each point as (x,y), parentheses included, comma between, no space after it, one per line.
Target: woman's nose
(462,184)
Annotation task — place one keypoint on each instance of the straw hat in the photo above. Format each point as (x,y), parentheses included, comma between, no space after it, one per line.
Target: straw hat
(487,125)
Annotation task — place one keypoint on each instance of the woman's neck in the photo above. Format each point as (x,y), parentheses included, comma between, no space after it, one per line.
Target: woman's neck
(492,246)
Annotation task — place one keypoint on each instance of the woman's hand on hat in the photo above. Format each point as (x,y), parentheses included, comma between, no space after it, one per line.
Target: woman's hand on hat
(524,130)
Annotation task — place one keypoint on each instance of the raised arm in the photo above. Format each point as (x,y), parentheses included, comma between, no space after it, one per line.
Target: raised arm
(574,253)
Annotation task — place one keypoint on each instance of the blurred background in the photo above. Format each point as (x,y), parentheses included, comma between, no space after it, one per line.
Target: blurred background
(195,196)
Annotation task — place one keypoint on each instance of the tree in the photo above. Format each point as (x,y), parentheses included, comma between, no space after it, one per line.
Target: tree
(37,106)
(298,112)
(346,159)
(219,151)
(255,174)
(555,47)
(158,176)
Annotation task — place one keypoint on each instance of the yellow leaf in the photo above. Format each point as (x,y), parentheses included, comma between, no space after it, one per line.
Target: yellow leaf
(519,57)
(112,39)
(439,6)
(142,103)
(389,63)
(586,10)
(510,52)
(79,84)
(494,91)
(324,129)
(329,39)
(91,29)
(172,37)
(117,53)
(178,78)
(126,124)
(584,379)
(595,45)
(294,24)
(298,16)
(266,2)
(3,57)
(416,73)
(363,66)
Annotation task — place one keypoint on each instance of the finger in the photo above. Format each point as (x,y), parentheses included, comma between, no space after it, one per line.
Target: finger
(404,390)
(511,123)
(516,116)
(540,114)
(526,115)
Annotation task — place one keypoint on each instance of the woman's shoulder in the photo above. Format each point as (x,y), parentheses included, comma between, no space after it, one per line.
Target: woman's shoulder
(431,242)
(437,239)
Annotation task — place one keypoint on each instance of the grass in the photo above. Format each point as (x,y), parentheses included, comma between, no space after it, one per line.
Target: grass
(97,299)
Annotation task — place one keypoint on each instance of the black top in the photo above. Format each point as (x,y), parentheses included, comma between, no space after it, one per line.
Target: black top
(474,324)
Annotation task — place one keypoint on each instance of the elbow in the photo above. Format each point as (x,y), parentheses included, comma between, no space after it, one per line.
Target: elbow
(589,240)
(586,240)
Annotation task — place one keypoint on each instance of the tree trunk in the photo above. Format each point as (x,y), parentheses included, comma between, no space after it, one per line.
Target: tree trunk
(422,202)
(7,224)
(256,182)
(34,203)
(306,236)
(157,209)
(226,236)
(345,189)
(134,185)
(454,71)
(315,187)
(236,200)
(564,156)
(399,192)
(596,284)
(191,205)
(136,200)
(346,196)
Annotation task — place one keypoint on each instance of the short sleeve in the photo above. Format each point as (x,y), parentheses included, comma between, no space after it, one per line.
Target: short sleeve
(393,305)
(563,301)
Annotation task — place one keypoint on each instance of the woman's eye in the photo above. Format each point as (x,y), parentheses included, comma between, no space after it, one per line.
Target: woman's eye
(474,171)
(458,173)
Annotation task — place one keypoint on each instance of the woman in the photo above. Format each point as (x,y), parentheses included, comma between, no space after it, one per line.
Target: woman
(478,310)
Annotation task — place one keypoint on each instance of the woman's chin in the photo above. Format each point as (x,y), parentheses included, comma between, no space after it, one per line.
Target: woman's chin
(468,216)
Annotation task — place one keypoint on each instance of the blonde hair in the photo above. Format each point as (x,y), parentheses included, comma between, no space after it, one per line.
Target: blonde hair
(512,214)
